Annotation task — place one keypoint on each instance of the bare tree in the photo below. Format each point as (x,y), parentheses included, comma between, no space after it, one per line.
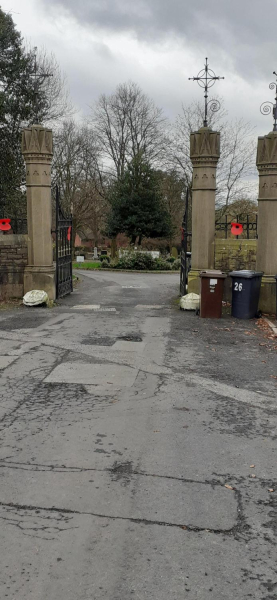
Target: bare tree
(51,102)
(128,124)
(237,159)
(76,172)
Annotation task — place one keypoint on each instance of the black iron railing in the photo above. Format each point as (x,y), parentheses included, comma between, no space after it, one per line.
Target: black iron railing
(63,242)
(250,226)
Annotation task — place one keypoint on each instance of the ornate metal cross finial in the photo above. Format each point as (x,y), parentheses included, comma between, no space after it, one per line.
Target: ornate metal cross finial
(269,107)
(206,78)
(37,77)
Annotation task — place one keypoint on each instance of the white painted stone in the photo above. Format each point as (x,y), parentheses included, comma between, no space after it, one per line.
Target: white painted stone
(35,297)
(190,301)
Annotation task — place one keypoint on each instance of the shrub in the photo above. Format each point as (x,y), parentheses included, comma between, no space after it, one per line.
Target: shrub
(113,264)
(143,261)
(136,261)
(104,257)
(105,264)
(171,259)
(125,262)
(162,265)
(176,265)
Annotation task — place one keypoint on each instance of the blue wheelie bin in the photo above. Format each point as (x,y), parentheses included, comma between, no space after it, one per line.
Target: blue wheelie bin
(246,287)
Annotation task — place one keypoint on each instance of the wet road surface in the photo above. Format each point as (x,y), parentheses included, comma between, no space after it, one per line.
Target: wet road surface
(138,449)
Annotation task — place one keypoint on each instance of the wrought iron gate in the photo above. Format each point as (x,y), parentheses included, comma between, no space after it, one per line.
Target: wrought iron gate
(185,244)
(64,283)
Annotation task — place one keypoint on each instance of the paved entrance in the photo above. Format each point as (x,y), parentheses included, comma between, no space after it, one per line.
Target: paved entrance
(138,449)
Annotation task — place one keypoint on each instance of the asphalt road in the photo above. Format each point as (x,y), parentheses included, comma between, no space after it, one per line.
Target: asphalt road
(138,449)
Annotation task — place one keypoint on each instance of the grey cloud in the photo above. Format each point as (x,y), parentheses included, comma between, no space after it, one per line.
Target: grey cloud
(181,16)
(244,29)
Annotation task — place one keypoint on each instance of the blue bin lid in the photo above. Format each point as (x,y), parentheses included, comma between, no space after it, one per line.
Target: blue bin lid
(245,274)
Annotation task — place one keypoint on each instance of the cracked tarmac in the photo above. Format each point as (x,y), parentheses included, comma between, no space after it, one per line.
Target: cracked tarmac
(120,430)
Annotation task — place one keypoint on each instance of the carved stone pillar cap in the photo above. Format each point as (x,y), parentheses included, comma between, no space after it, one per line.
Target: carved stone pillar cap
(205,143)
(267,150)
(37,140)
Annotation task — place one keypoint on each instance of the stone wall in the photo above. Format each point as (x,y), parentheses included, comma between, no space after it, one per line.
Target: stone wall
(233,255)
(13,260)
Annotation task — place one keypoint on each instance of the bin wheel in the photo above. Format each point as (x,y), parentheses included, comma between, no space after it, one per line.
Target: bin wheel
(258,314)
(197,312)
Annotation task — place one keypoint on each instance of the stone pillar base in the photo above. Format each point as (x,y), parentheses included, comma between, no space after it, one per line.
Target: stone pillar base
(40,278)
(194,281)
(267,303)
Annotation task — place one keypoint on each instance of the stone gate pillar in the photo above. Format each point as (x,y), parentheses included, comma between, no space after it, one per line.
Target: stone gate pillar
(37,148)
(204,154)
(267,219)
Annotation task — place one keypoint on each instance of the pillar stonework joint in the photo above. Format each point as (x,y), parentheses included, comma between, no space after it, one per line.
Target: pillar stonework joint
(267,219)
(37,149)
(204,154)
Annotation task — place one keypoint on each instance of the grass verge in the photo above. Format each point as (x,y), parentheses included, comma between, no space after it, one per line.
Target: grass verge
(86,265)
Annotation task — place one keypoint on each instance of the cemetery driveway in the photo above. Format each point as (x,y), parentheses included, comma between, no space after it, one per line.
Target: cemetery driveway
(138,449)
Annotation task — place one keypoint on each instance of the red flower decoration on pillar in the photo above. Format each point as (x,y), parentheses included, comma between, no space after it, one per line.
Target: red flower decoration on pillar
(5,224)
(236,228)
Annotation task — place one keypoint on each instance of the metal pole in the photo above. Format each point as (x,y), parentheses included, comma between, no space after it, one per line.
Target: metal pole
(57,239)
(71,246)
(186,237)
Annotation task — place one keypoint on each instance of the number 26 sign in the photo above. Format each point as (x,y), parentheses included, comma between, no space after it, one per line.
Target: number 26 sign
(238,287)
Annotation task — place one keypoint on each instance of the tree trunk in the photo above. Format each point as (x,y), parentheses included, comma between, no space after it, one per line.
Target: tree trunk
(133,240)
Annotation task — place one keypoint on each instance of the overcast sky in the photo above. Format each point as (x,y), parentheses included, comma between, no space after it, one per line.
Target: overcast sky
(159,44)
